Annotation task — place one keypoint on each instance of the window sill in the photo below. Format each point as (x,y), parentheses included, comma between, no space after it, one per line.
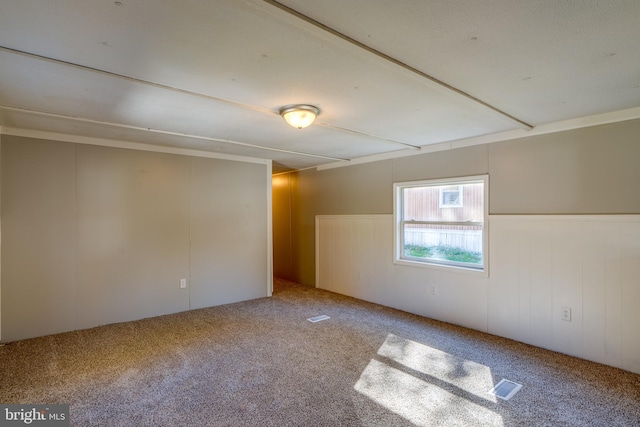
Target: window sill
(477,272)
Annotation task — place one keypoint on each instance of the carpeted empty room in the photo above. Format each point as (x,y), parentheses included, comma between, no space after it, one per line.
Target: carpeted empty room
(262,363)
(310,213)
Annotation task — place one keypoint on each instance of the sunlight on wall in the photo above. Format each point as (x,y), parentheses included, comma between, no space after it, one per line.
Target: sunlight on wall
(428,386)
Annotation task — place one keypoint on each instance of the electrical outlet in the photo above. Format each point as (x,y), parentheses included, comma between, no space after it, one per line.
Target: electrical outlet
(183,283)
(434,290)
(566,314)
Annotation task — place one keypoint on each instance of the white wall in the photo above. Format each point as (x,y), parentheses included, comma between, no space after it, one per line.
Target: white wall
(354,256)
(590,264)
(538,264)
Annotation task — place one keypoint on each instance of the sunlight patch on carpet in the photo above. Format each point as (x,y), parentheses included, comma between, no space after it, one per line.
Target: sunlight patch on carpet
(471,377)
(427,386)
(418,401)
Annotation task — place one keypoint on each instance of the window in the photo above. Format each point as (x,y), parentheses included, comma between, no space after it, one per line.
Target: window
(433,227)
(451,196)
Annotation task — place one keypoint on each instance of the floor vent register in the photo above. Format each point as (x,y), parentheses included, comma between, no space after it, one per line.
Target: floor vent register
(318,318)
(505,389)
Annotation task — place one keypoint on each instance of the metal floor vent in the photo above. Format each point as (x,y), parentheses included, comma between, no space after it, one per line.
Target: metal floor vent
(505,389)
(318,318)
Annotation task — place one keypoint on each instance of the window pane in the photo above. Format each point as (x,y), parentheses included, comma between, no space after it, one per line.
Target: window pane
(442,243)
(441,222)
(456,203)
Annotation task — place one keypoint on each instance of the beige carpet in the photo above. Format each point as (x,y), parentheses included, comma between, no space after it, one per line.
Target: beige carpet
(261,363)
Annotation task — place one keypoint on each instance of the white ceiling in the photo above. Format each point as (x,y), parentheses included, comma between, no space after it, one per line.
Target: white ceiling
(388,76)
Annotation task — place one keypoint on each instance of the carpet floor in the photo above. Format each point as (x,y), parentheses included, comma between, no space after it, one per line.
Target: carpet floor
(261,363)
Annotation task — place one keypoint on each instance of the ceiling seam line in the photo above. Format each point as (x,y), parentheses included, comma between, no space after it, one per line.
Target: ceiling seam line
(138,80)
(186,92)
(165,132)
(393,60)
(366,135)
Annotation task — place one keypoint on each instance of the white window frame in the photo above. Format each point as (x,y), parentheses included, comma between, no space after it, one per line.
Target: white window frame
(398,234)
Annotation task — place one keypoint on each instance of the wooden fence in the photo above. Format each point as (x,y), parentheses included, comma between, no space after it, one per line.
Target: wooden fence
(469,240)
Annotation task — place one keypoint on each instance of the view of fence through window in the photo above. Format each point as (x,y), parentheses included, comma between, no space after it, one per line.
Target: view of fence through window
(444,223)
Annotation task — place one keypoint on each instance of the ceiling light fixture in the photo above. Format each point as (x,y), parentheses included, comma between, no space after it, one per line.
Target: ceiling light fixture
(299,115)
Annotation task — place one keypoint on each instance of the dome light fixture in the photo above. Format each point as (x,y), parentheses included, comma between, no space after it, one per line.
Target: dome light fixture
(299,116)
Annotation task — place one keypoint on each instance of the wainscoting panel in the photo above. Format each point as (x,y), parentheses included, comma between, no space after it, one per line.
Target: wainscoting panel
(588,264)
(539,264)
(630,300)
(354,256)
